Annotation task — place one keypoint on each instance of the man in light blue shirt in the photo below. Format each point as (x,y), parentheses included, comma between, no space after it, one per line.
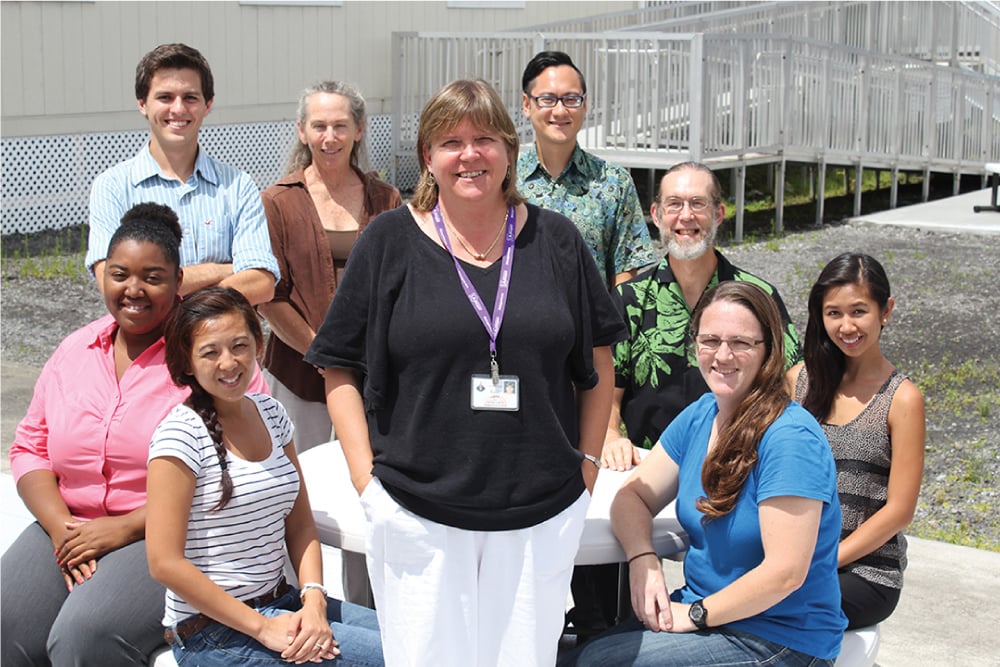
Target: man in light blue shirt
(226,240)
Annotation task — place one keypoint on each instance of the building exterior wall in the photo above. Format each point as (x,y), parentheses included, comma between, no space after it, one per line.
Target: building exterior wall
(68,67)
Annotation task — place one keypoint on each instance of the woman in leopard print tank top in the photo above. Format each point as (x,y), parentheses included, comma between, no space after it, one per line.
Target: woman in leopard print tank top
(873,417)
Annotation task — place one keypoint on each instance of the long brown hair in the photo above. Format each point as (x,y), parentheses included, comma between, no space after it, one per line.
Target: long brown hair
(825,362)
(205,304)
(728,465)
(479,102)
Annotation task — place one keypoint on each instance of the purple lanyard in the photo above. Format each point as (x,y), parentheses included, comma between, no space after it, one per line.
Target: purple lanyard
(492,324)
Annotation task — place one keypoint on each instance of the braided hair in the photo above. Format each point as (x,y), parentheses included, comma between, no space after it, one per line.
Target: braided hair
(187,318)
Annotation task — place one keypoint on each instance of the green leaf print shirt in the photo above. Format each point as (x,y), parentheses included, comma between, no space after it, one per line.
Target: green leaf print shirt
(658,372)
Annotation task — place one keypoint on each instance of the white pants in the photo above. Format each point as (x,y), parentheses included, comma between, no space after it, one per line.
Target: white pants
(448,597)
(311,419)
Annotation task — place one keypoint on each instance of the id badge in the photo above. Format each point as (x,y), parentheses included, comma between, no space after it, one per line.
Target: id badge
(503,395)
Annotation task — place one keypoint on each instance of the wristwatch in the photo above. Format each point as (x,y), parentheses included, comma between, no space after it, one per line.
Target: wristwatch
(698,615)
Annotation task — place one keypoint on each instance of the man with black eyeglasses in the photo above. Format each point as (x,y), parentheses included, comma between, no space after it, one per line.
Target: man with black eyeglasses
(656,375)
(555,173)
(600,198)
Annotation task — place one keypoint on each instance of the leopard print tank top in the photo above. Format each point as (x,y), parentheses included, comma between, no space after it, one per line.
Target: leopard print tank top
(863,453)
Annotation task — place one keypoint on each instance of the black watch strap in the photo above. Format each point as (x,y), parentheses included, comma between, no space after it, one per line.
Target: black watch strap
(698,615)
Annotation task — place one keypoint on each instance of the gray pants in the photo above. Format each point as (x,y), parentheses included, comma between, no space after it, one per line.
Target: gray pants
(112,619)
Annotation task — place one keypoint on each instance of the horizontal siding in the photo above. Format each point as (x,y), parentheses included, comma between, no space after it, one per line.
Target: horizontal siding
(70,66)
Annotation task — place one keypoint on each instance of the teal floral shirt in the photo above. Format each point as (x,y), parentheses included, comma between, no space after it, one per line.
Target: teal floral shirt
(601,199)
(658,372)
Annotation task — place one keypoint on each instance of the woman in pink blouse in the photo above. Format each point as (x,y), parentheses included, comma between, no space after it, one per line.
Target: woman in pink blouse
(76,588)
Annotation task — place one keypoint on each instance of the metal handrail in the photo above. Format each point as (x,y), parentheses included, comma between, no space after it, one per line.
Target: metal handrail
(958,33)
(658,98)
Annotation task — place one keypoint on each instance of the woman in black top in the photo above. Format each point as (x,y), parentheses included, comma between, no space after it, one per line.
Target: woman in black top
(468,375)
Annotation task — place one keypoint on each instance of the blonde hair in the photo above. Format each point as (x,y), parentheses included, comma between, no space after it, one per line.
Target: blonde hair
(477,101)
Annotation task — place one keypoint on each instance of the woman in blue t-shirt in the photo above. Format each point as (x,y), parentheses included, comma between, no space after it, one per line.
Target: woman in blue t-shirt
(756,492)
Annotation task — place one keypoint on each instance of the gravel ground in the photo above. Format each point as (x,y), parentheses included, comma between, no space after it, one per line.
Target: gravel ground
(944,333)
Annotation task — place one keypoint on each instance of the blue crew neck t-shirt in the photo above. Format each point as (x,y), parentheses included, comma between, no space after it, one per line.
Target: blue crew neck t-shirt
(794,459)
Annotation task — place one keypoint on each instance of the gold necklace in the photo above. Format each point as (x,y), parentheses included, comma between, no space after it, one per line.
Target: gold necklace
(480,256)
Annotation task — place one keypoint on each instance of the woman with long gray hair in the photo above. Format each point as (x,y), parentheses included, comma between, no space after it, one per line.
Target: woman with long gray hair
(315,214)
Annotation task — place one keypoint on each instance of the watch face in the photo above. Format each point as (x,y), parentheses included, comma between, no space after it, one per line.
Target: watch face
(696,612)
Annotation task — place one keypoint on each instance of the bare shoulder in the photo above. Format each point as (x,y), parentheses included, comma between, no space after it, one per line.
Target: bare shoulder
(908,397)
(907,416)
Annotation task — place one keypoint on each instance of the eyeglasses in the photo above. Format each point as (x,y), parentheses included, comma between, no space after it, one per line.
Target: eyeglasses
(676,205)
(736,344)
(550,101)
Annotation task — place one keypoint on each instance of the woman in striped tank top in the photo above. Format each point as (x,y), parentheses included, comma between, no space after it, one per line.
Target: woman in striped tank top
(225,505)
(873,417)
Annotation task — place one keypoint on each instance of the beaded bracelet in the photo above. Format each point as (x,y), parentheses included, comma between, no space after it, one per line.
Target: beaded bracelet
(644,553)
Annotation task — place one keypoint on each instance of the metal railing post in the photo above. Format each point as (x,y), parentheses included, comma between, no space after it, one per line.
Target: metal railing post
(697,103)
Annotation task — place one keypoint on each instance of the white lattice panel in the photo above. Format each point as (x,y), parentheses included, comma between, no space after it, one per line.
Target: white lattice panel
(46,179)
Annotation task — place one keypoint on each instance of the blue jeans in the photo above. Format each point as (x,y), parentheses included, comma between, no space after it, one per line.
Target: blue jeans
(631,644)
(355,629)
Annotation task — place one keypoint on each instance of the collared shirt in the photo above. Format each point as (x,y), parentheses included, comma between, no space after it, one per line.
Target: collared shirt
(218,206)
(90,429)
(309,273)
(658,372)
(600,198)
(93,430)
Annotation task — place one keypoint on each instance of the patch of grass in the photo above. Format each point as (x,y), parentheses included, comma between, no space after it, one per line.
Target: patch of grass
(962,533)
(57,266)
(974,471)
(47,267)
(959,506)
(971,387)
(50,255)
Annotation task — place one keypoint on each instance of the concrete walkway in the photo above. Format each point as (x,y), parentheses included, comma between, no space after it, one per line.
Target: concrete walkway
(16,385)
(953,214)
(948,613)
